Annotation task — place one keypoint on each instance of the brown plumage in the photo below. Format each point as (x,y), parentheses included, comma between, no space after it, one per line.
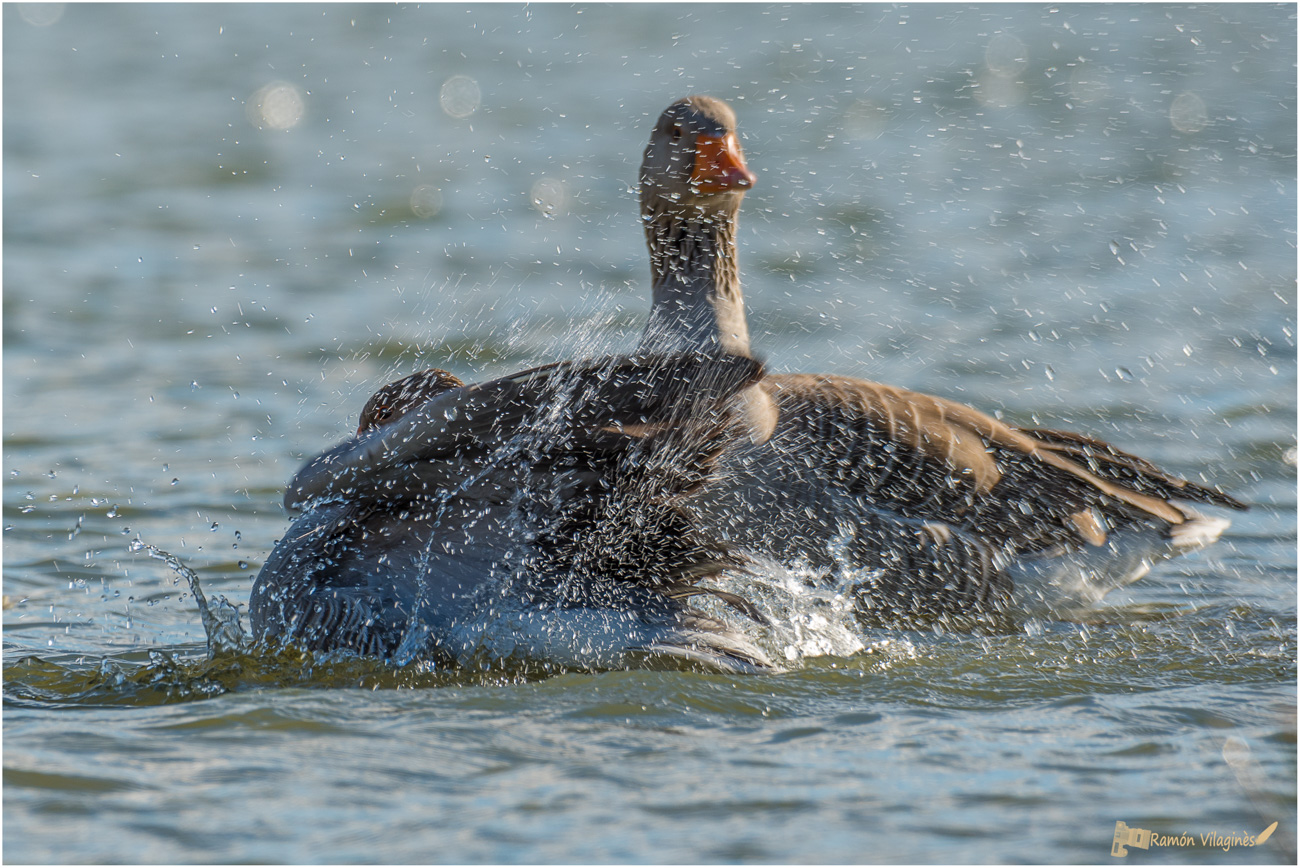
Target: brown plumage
(950,506)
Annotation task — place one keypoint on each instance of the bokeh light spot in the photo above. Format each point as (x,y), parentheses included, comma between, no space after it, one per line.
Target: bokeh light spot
(1006,55)
(41,14)
(459,96)
(549,196)
(278,105)
(1188,114)
(426,201)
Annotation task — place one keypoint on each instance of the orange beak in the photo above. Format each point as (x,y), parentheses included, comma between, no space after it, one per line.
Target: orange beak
(719,165)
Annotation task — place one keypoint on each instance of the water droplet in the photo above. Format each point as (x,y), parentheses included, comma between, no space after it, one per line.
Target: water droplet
(243,565)
(175,481)
(1124,374)
(214,526)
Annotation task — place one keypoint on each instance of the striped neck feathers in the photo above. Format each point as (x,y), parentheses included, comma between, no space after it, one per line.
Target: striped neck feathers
(697,303)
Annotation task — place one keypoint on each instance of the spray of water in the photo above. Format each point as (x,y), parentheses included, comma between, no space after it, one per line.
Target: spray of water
(809,612)
(220,618)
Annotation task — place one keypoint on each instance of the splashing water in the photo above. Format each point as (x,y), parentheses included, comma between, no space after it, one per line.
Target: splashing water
(810,611)
(233,662)
(220,618)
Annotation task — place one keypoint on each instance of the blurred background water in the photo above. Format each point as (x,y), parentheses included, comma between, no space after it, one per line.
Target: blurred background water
(224,226)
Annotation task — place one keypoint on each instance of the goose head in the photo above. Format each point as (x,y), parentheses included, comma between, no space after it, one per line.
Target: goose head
(693,178)
(694,162)
(399,397)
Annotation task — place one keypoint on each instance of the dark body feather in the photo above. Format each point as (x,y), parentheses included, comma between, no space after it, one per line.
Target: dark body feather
(547,502)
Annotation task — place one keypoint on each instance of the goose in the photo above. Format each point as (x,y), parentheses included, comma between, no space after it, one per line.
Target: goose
(950,511)
(535,518)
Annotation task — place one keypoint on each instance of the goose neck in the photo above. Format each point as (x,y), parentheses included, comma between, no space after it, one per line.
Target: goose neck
(696,280)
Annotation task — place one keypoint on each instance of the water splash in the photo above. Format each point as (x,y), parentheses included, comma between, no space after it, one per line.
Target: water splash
(221,623)
(810,611)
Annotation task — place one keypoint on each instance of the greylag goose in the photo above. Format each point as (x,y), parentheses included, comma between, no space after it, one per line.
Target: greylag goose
(953,511)
(536,518)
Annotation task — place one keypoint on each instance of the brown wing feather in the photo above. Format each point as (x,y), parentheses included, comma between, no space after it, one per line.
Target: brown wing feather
(928,457)
(932,429)
(1127,469)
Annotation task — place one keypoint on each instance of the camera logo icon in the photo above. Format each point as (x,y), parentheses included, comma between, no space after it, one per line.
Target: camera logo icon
(1126,837)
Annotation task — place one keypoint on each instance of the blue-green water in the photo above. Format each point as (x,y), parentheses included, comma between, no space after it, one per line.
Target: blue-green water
(1076,216)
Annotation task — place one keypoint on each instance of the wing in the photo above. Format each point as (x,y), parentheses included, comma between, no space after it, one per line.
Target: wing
(435,447)
(931,459)
(556,490)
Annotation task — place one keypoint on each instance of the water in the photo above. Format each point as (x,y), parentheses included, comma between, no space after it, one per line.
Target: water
(225,226)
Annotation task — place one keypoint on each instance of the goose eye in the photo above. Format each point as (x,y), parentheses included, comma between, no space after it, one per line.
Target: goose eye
(382,413)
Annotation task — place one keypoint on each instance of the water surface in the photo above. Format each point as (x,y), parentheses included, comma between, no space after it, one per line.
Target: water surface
(224,226)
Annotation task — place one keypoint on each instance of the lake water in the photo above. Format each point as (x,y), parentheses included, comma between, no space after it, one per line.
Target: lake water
(224,226)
